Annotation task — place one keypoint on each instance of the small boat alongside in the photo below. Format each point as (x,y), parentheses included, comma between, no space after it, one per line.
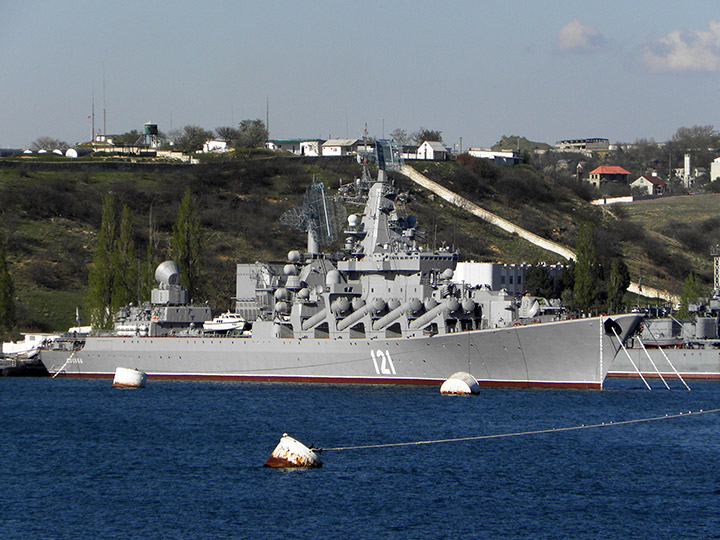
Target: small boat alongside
(227,322)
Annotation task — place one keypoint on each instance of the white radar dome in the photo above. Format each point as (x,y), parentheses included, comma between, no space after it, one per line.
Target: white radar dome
(168,273)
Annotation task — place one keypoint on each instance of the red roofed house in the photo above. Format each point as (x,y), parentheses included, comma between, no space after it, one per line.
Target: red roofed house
(608,173)
(654,185)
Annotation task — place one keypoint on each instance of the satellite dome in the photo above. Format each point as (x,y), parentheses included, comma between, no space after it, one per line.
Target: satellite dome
(353,220)
(448,273)
(290,270)
(294,256)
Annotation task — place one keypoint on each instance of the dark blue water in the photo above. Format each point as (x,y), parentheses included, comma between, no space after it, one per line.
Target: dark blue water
(184,460)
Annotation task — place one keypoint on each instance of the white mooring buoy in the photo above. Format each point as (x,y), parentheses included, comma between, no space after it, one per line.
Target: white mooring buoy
(292,453)
(129,378)
(460,383)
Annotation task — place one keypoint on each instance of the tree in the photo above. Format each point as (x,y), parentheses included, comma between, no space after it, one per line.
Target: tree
(147,276)
(252,134)
(586,268)
(423,135)
(401,136)
(101,275)
(696,138)
(617,283)
(7,293)
(539,282)
(48,143)
(192,139)
(693,290)
(227,133)
(124,263)
(127,139)
(187,244)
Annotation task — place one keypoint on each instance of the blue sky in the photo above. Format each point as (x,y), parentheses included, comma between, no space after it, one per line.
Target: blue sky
(478,70)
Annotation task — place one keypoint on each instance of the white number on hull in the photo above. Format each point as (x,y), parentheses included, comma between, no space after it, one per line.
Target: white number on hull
(386,366)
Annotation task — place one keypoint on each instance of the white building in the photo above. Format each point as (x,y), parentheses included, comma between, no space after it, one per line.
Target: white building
(652,185)
(215,145)
(339,147)
(500,157)
(299,147)
(433,150)
(715,169)
(495,276)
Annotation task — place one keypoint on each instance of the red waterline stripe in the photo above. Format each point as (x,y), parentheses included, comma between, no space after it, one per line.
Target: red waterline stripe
(340,380)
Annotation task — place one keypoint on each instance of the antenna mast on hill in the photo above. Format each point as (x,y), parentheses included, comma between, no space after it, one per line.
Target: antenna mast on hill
(92,133)
(104,112)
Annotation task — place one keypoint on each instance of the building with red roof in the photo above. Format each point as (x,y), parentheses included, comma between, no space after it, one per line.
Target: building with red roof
(608,173)
(653,185)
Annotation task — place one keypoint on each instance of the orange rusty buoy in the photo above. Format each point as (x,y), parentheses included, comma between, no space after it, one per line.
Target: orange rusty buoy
(292,453)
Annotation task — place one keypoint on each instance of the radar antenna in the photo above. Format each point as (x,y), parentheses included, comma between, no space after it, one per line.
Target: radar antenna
(322,217)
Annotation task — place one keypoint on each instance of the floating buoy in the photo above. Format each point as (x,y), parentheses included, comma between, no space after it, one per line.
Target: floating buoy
(129,378)
(292,453)
(460,383)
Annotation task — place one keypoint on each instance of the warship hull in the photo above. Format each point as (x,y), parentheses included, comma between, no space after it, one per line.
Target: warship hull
(571,353)
(668,362)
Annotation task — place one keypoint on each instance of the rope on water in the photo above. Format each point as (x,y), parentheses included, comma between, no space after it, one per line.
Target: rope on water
(517,434)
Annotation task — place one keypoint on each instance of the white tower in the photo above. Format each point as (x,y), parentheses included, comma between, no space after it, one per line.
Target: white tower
(686,172)
(715,252)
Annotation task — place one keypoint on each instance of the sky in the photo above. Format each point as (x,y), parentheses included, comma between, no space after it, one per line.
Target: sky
(474,70)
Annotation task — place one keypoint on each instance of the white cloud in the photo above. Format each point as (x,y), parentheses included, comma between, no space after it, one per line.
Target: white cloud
(696,50)
(577,36)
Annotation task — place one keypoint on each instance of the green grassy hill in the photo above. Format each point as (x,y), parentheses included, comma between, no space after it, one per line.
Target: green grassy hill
(50,214)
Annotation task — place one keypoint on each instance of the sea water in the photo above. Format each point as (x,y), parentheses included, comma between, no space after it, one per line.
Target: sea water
(81,459)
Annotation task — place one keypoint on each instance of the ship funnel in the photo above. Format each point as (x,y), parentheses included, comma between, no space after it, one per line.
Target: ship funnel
(168,273)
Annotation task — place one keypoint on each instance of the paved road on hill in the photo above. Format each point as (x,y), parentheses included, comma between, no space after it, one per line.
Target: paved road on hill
(494,219)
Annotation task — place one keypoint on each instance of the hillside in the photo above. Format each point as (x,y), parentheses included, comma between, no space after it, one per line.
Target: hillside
(51,212)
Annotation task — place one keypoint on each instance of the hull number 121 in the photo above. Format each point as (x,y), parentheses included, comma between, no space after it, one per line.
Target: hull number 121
(382,362)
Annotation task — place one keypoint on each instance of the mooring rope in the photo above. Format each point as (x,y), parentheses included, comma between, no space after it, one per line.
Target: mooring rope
(517,434)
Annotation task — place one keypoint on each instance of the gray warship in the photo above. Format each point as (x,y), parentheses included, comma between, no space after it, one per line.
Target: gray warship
(669,348)
(383,311)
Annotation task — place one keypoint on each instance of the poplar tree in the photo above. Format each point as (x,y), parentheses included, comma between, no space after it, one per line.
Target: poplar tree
(617,283)
(101,275)
(187,244)
(586,268)
(7,293)
(125,271)
(147,276)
